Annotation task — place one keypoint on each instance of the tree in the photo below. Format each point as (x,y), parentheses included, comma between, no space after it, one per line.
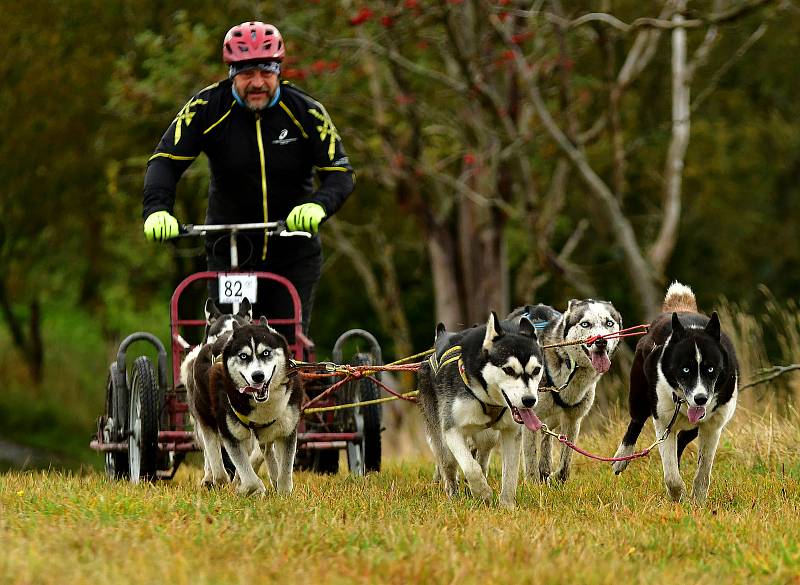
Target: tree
(462,111)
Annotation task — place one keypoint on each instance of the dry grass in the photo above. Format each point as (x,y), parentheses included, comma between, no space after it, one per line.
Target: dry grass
(397,527)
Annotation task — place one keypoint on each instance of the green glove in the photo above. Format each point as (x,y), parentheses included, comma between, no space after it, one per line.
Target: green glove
(160,226)
(305,218)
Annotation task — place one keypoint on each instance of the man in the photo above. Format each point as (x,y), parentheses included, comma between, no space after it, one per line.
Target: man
(265,141)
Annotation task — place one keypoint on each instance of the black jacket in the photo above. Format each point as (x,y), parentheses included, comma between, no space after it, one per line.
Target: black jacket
(262,164)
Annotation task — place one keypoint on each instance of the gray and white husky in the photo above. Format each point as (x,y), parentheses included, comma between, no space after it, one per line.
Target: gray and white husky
(573,370)
(217,323)
(479,381)
(238,388)
(686,358)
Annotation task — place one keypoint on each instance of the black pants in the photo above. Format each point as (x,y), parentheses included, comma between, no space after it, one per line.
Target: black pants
(274,301)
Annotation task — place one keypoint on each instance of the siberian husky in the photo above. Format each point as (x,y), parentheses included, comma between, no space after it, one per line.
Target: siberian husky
(684,358)
(239,387)
(573,370)
(483,379)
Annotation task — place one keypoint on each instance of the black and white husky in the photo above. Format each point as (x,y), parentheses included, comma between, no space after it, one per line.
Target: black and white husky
(684,358)
(573,370)
(481,380)
(239,387)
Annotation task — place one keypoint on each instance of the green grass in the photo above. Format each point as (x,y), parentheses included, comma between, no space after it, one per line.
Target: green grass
(398,527)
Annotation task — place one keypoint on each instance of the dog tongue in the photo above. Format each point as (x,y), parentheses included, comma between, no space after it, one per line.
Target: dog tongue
(600,361)
(695,413)
(530,419)
(252,389)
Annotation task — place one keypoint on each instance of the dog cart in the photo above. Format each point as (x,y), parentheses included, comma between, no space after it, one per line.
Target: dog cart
(145,430)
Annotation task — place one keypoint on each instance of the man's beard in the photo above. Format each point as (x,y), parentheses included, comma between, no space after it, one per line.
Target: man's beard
(261,106)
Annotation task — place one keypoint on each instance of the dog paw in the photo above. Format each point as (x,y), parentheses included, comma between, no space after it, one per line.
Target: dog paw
(509,502)
(221,478)
(482,492)
(251,489)
(676,492)
(451,486)
(619,466)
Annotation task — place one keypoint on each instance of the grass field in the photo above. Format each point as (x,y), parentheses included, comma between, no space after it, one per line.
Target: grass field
(398,527)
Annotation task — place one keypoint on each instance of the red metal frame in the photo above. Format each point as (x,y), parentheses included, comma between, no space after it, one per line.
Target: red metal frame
(302,348)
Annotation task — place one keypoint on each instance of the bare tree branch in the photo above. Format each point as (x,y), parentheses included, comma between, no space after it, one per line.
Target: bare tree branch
(740,52)
(383,292)
(770,374)
(638,269)
(641,23)
(398,59)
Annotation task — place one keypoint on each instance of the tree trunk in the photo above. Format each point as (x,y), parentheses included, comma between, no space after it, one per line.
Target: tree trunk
(449,308)
(664,245)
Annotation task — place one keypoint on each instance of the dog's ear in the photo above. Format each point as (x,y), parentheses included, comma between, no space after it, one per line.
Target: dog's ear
(568,319)
(571,306)
(713,327)
(527,328)
(264,323)
(245,310)
(677,326)
(493,331)
(212,312)
(615,315)
(440,329)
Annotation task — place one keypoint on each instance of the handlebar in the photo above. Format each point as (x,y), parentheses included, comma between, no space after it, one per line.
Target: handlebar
(272,228)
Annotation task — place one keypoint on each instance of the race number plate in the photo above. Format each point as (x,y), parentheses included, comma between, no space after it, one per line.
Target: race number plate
(234,288)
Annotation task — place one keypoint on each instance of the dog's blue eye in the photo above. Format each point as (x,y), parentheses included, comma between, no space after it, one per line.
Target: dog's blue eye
(244,357)
(685,370)
(710,369)
(609,323)
(586,324)
(266,353)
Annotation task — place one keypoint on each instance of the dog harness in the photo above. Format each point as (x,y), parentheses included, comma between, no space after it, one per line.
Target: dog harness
(247,422)
(556,389)
(453,354)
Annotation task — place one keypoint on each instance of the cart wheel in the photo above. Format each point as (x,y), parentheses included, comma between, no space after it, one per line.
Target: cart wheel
(326,461)
(366,456)
(116,464)
(143,421)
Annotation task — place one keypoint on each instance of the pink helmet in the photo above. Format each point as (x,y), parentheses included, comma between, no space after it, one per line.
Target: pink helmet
(250,41)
